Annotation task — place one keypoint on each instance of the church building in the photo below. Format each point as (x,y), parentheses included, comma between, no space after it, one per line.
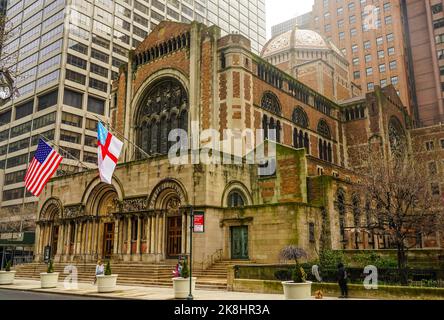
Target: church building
(188,77)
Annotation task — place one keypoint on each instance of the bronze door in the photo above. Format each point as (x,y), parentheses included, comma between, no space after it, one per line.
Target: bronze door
(174,236)
(108,243)
(239,243)
(55,240)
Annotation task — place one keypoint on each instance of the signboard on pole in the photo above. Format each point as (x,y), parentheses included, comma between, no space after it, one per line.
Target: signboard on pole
(47,254)
(199,222)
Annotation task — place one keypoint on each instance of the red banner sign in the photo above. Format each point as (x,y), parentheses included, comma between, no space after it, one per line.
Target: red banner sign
(199,222)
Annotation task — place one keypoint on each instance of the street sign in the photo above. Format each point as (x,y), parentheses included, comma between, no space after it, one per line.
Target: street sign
(47,254)
(199,222)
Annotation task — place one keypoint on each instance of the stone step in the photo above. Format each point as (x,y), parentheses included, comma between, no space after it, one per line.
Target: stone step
(133,274)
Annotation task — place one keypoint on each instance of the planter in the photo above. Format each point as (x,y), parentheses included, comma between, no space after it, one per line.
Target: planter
(49,280)
(7,277)
(297,291)
(181,287)
(106,283)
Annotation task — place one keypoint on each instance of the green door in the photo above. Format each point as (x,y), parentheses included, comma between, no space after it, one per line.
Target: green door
(239,242)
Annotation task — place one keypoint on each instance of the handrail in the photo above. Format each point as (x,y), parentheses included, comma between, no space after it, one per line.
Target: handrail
(212,259)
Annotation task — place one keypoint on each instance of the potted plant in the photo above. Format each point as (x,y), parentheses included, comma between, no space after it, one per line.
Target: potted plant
(108,281)
(7,276)
(181,281)
(298,287)
(49,278)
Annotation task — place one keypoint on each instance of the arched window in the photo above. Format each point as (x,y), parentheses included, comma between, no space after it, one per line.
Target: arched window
(356,202)
(356,210)
(157,115)
(396,136)
(295,138)
(300,117)
(301,139)
(307,143)
(278,131)
(325,149)
(329,153)
(236,199)
(324,129)
(271,103)
(340,199)
(265,126)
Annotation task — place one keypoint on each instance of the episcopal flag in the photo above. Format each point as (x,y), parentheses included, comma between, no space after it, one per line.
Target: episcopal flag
(44,164)
(109,148)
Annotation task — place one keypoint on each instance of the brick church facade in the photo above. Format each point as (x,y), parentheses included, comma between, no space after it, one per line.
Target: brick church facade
(186,75)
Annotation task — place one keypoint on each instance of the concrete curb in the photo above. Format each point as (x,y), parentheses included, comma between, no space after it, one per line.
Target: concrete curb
(39,290)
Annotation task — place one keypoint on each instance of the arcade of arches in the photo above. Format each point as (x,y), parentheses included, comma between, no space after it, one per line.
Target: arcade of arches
(105,227)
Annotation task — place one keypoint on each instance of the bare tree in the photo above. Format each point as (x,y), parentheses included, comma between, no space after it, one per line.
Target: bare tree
(8,48)
(401,202)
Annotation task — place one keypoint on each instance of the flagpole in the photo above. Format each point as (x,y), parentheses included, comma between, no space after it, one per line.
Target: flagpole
(123,137)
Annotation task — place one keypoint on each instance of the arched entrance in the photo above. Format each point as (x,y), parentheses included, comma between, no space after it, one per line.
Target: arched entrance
(108,206)
(168,200)
(174,227)
(49,229)
(102,205)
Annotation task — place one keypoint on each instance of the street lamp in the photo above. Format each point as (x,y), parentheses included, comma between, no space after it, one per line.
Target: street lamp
(190,295)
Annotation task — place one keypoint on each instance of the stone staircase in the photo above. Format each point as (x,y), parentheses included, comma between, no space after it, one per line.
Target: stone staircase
(137,274)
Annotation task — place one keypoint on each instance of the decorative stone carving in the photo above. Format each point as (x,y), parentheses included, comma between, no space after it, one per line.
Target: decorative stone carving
(50,208)
(135,205)
(167,184)
(172,207)
(74,211)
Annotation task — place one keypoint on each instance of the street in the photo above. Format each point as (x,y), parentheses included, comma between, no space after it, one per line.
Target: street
(6,294)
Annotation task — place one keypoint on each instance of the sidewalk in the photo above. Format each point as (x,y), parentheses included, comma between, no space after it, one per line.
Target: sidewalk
(141,293)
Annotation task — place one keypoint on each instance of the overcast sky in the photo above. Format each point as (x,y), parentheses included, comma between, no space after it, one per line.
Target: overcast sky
(282,10)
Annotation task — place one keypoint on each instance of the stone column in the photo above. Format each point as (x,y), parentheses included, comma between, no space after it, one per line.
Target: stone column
(90,236)
(128,238)
(184,233)
(97,237)
(37,239)
(60,240)
(152,233)
(93,237)
(116,235)
(79,237)
(67,238)
(160,234)
(139,235)
(120,235)
(148,233)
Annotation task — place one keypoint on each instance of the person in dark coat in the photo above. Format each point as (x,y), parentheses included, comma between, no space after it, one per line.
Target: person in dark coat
(342,280)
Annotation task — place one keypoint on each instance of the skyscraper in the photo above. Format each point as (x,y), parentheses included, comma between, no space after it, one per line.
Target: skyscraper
(425,21)
(67,52)
(371,35)
(303,21)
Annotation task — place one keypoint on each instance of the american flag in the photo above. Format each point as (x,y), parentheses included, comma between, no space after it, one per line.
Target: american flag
(45,162)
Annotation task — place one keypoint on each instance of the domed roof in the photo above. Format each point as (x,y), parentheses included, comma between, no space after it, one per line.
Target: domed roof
(297,39)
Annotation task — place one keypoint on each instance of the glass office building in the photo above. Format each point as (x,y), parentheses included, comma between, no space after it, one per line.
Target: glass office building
(67,52)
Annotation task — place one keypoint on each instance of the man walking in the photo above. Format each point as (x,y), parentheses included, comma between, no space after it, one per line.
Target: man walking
(342,280)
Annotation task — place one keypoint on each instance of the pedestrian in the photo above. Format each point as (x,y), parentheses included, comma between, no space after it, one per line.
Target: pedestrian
(100,270)
(342,280)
